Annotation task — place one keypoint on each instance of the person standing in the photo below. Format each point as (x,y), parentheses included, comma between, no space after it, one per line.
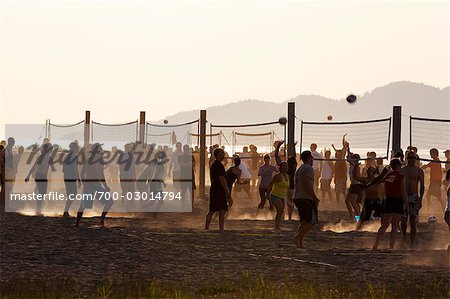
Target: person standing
(305,198)
(94,184)
(220,198)
(436,172)
(414,180)
(396,202)
(279,190)
(71,176)
(266,172)
(317,165)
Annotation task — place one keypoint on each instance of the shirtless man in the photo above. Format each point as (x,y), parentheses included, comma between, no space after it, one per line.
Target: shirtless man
(372,202)
(414,177)
(305,199)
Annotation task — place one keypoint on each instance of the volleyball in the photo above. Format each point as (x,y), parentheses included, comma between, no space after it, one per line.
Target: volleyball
(351,99)
(329,117)
(166,121)
(282,120)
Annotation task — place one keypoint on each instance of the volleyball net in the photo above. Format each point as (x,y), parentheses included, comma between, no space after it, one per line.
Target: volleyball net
(363,136)
(169,135)
(235,137)
(114,134)
(428,133)
(63,135)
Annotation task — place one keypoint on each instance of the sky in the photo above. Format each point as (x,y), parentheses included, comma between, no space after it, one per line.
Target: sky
(116,58)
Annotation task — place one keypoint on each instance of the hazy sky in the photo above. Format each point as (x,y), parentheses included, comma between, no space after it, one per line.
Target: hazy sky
(117,58)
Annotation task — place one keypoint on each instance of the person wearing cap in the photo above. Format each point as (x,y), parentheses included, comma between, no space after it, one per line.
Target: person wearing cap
(94,184)
(71,176)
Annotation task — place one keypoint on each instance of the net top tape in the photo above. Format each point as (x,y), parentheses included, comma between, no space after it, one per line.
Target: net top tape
(114,125)
(173,126)
(430,119)
(346,122)
(247,125)
(66,126)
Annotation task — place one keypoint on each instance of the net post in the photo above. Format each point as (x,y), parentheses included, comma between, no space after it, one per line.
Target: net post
(142,127)
(301,136)
(47,129)
(410,130)
(396,128)
(291,129)
(202,149)
(87,121)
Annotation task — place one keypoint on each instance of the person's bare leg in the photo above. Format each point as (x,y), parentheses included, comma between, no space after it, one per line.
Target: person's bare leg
(303,229)
(394,223)
(222,219)
(330,195)
(279,206)
(349,205)
(355,205)
(208,219)
(385,221)
(290,209)
(403,228)
(79,215)
(412,234)
(262,197)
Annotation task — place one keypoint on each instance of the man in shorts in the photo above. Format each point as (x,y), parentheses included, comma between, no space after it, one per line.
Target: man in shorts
(414,178)
(305,199)
(372,203)
(434,189)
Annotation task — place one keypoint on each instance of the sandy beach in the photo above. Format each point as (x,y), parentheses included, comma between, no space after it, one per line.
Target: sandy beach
(174,248)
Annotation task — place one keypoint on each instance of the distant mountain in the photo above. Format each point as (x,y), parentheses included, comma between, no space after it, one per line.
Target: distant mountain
(416,99)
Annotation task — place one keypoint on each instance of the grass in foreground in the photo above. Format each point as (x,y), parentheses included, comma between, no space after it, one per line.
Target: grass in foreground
(247,287)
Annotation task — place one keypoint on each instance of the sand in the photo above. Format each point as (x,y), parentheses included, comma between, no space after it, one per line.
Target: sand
(174,248)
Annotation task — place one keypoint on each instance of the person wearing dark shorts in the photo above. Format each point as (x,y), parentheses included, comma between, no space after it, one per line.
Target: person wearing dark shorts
(372,204)
(305,199)
(219,195)
(266,172)
(395,203)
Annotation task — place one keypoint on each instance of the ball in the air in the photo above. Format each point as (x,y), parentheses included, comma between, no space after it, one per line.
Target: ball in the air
(282,120)
(351,99)
(166,121)
(329,117)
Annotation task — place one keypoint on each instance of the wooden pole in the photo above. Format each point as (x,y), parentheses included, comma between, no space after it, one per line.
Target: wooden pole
(202,149)
(396,128)
(142,128)
(87,122)
(291,128)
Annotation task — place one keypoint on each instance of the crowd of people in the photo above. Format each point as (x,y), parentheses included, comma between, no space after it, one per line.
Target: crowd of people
(392,193)
(370,190)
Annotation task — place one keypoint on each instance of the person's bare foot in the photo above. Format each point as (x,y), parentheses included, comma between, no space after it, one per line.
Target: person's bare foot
(66,215)
(102,222)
